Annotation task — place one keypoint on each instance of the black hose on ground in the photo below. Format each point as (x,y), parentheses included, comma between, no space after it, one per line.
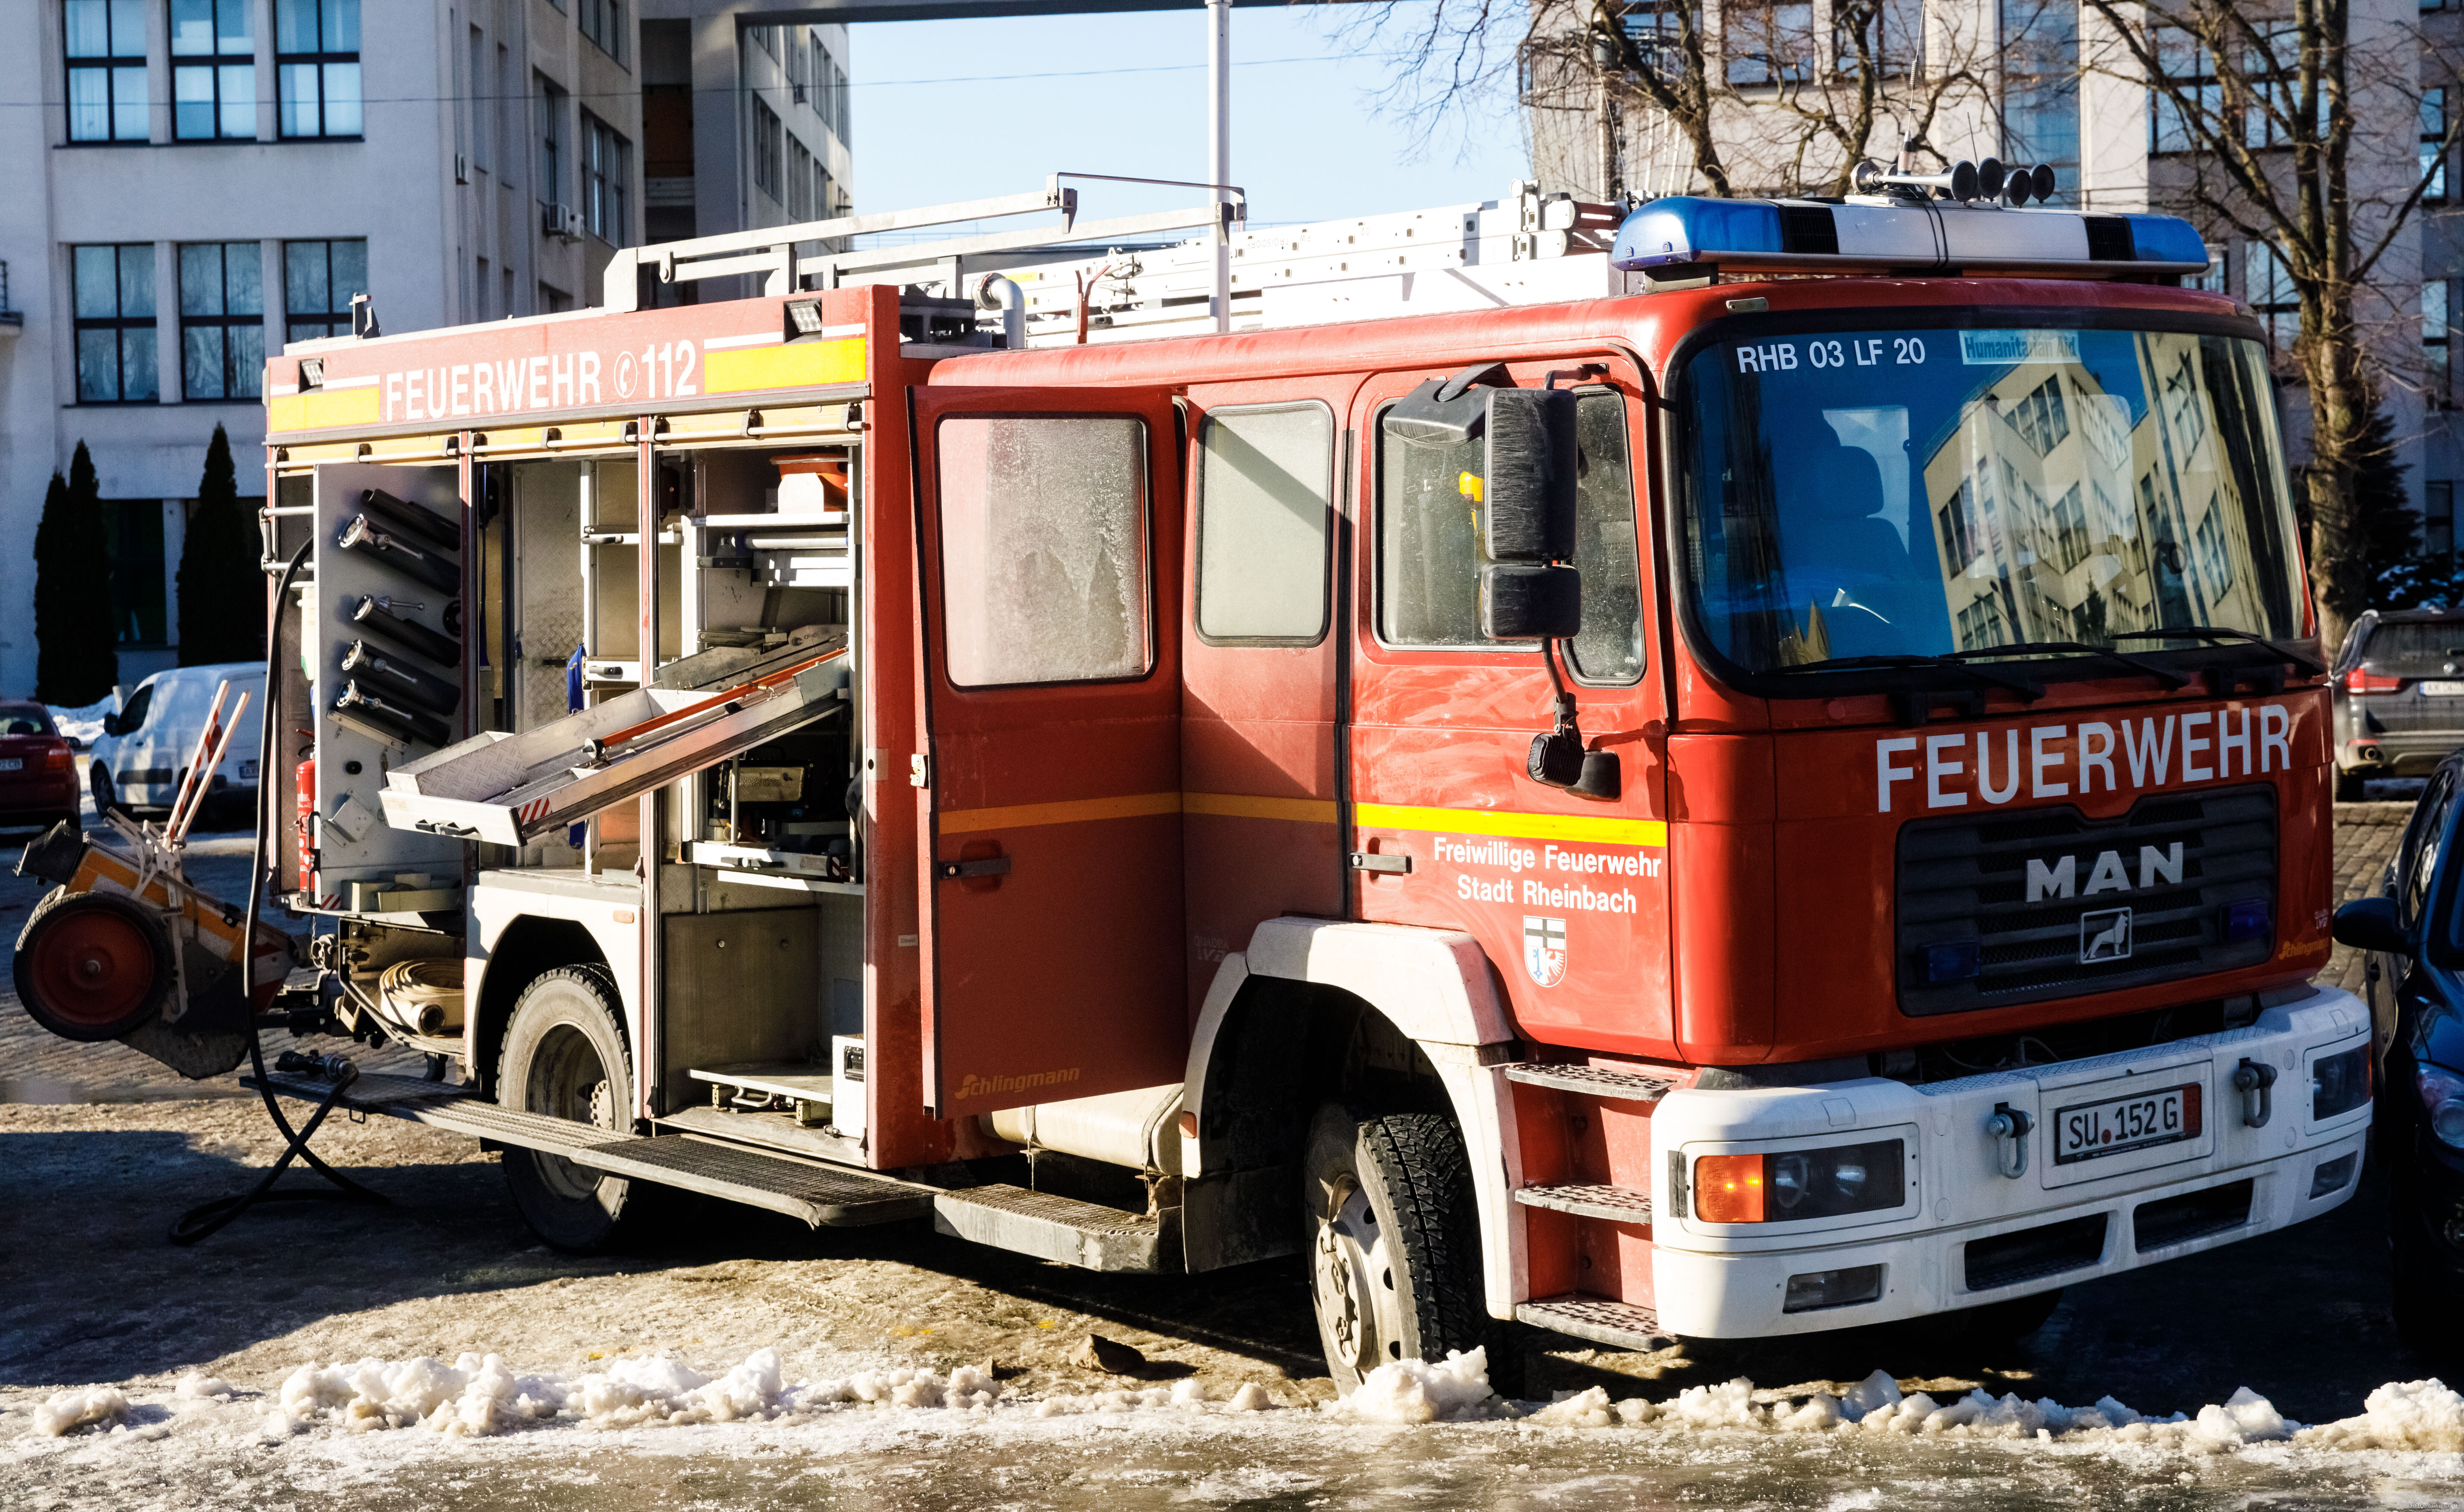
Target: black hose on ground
(208,1216)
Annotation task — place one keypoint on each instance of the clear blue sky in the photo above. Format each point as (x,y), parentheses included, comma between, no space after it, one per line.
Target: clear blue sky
(1307,140)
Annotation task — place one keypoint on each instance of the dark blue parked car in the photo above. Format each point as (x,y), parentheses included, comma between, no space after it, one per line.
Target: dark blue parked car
(2414,933)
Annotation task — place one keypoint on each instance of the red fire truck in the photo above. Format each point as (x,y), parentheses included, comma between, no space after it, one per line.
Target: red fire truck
(1729,770)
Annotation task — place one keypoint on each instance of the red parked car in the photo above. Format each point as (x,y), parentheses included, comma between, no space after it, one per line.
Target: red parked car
(38,780)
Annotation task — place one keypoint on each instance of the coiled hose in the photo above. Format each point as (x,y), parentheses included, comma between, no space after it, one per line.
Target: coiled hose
(208,1216)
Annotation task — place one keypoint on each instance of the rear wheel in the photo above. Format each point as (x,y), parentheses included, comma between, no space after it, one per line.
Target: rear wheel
(92,966)
(1394,1236)
(106,793)
(565,1055)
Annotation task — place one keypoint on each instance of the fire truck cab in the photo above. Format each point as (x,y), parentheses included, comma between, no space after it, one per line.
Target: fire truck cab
(1760,767)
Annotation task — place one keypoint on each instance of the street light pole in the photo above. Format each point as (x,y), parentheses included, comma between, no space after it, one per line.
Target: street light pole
(1219,148)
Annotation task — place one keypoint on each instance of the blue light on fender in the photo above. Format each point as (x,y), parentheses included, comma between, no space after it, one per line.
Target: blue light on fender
(2248,919)
(1948,961)
(1682,228)
(2165,238)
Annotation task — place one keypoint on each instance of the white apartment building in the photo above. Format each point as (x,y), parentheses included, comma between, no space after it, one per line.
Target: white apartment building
(192,182)
(2110,145)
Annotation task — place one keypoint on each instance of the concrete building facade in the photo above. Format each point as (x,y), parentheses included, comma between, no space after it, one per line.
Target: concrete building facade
(193,183)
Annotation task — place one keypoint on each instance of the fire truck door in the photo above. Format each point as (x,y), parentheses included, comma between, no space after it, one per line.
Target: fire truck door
(1050,852)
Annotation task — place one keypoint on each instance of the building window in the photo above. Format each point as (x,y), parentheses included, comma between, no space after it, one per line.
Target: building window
(2267,287)
(552,300)
(213,97)
(105,46)
(1767,41)
(222,320)
(2438,524)
(318,281)
(132,539)
(551,143)
(316,67)
(2040,72)
(2186,66)
(799,181)
(2214,279)
(2435,329)
(767,38)
(607,169)
(765,150)
(2433,144)
(602,21)
(115,323)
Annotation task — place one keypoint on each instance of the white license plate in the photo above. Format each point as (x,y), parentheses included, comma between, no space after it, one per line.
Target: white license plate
(2441,690)
(2116,1125)
(11,764)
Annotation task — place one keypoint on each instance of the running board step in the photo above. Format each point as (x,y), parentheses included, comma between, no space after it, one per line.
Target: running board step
(1592,1081)
(1616,1204)
(824,1197)
(1058,1228)
(1623,1325)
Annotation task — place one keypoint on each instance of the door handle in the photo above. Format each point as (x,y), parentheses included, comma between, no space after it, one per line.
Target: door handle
(1390,863)
(988,867)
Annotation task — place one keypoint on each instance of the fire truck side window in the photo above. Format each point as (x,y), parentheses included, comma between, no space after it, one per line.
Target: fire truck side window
(1263,490)
(1610,647)
(1428,542)
(1044,548)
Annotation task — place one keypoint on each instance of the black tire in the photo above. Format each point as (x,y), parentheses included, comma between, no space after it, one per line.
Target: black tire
(106,793)
(565,1055)
(1393,1235)
(92,966)
(2348,786)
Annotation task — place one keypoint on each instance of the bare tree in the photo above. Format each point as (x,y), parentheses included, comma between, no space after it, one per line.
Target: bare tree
(2265,107)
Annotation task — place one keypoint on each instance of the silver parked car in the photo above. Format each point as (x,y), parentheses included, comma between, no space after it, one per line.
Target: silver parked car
(2399,694)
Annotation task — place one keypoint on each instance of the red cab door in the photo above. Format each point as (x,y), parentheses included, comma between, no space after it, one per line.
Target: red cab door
(1050,846)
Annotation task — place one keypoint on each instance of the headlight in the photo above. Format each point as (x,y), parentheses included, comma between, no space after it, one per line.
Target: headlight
(2442,1093)
(1802,1183)
(2339,1083)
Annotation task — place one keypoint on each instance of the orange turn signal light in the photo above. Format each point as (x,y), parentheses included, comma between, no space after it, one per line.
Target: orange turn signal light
(1728,1189)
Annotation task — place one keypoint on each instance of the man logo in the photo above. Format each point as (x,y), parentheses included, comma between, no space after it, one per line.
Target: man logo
(2105,935)
(1544,950)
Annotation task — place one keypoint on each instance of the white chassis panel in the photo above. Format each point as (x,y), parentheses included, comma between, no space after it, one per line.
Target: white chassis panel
(1728,1280)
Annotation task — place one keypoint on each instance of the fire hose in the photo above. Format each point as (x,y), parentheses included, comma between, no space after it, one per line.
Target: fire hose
(206,1218)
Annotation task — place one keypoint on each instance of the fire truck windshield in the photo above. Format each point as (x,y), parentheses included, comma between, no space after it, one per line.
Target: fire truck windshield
(1913,493)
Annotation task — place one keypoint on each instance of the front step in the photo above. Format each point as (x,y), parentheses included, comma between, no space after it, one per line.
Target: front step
(822,1195)
(1623,1325)
(1058,1228)
(1616,1204)
(1592,1081)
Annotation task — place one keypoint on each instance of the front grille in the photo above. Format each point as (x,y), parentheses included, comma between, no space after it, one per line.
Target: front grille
(2006,1260)
(1967,879)
(2192,1215)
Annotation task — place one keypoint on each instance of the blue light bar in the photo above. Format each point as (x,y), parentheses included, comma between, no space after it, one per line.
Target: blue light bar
(1919,236)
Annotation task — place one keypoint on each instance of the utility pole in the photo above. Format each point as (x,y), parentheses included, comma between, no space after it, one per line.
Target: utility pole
(1219,148)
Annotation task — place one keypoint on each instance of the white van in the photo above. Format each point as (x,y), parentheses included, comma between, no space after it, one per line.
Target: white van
(145,747)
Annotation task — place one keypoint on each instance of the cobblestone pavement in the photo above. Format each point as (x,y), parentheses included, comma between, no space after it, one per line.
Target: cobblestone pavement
(2365,840)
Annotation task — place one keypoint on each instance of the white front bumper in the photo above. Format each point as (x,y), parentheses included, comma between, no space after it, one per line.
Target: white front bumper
(1730,1280)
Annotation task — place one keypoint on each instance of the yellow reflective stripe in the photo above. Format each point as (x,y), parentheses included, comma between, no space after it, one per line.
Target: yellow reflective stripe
(1230,805)
(1026,816)
(322,409)
(795,365)
(1241,806)
(1512,826)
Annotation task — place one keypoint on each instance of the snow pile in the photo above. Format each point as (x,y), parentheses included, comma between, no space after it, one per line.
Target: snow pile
(2407,1414)
(1455,1389)
(967,1387)
(197,1386)
(1251,1397)
(78,1406)
(472,1396)
(83,725)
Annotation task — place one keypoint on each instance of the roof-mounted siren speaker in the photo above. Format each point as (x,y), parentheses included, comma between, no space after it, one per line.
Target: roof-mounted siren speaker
(2015,185)
(1959,182)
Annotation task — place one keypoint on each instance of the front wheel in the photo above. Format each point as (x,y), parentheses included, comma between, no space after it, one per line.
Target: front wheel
(565,1055)
(106,793)
(1394,1240)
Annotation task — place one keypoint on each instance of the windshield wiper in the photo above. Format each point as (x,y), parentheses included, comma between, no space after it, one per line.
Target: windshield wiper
(2026,688)
(2170,680)
(2218,632)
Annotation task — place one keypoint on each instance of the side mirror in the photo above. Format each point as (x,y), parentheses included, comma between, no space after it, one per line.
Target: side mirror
(111,724)
(1524,492)
(2373,924)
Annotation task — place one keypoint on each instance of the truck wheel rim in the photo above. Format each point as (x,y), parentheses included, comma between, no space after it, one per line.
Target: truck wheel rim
(567,1082)
(94,969)
(1353,1278)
